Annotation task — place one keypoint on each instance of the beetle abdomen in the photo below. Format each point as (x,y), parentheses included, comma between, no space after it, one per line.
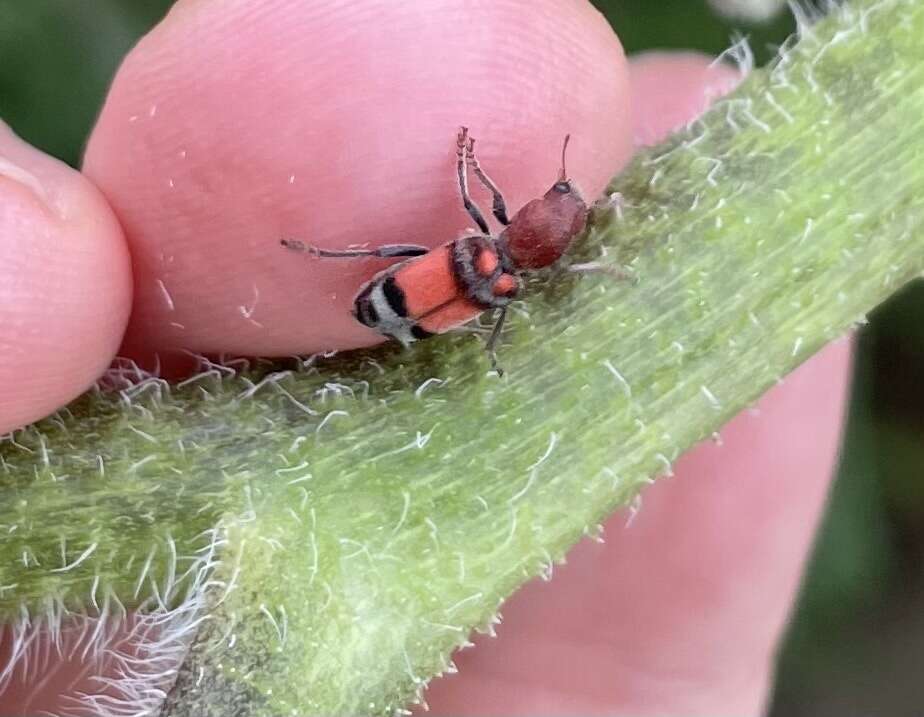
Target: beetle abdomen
(439,291)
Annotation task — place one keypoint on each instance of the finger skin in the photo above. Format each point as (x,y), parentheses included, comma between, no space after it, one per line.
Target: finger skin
(681,611)
(65,283)
(672,88)
(234,124)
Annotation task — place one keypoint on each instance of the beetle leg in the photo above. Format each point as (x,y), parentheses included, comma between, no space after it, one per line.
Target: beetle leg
(387,251)
(499,207)
(491,346)
(470,206)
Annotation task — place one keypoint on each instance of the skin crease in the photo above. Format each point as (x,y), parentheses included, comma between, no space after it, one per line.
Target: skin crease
(679,614)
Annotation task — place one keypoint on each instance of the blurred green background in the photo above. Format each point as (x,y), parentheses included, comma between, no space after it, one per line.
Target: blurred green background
(858,631)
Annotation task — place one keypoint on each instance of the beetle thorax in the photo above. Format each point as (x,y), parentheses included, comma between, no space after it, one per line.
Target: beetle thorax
(543,229)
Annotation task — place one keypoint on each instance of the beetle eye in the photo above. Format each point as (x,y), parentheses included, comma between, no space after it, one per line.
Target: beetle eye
(563,187)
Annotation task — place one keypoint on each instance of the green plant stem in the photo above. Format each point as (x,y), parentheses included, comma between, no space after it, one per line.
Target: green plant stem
(366,513)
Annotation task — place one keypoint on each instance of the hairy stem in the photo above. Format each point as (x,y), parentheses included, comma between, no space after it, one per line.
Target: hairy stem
(344,526)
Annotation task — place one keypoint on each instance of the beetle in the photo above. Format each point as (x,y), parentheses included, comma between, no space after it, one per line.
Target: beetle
(435,290)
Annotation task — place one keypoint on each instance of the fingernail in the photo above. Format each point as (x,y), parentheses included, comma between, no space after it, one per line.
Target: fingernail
(9,170)
(15,155)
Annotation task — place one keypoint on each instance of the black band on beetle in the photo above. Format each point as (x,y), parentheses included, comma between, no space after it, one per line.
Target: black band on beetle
(394,295)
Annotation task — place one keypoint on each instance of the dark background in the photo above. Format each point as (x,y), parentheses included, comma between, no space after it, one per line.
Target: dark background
(856,644)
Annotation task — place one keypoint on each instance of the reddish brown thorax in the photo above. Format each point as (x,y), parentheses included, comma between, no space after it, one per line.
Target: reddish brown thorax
(544,228)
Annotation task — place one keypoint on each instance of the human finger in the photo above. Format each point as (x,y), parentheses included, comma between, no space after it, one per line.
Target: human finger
(231,126)
(65,283)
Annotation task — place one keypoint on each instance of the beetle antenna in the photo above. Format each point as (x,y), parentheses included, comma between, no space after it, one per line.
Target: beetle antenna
(564,147)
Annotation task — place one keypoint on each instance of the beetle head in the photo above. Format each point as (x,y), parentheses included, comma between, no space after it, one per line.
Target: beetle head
(543,229)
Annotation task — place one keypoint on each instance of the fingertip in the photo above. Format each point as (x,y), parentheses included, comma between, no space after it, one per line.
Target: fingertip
(248,133)
(65,284)
(671,88)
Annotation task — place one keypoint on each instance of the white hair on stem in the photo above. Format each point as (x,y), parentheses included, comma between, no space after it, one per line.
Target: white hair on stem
(132,660)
